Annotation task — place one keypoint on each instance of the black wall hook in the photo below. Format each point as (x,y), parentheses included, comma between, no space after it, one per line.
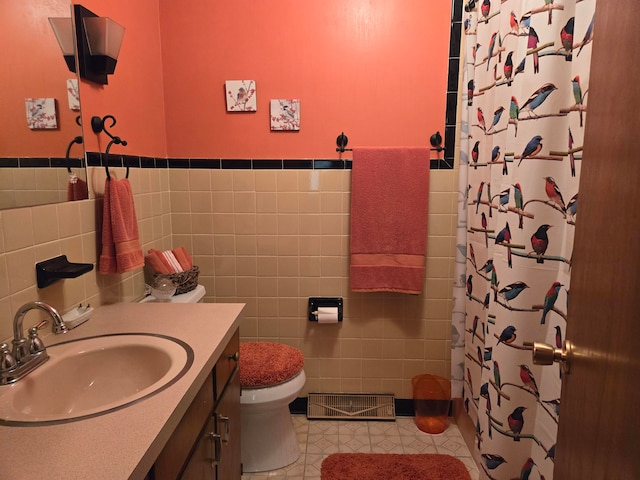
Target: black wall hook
(436,142)
(342,140)
(98,125)
(77,139)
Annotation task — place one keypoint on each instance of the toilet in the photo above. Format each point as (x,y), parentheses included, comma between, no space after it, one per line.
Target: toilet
(194,296)
(271,377)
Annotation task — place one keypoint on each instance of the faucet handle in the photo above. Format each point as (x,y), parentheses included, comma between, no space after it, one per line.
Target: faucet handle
(20,350)
(35,343)
(41,325)
(7,362)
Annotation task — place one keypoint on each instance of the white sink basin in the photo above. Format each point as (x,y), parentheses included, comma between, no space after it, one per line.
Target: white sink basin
(93,376)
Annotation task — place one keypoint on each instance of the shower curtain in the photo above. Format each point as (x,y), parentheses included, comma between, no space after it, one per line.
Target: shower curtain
(524,102)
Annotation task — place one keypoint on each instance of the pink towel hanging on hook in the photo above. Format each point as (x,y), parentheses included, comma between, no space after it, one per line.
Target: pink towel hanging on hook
(389,207)
(121,251)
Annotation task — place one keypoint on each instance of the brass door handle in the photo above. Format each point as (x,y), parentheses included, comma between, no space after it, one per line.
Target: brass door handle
(545,354)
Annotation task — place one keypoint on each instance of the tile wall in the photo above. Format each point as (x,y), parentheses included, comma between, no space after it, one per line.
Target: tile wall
(30,235)
(268,238)
(276,237)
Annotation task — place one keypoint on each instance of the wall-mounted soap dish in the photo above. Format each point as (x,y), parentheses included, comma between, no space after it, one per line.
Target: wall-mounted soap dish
(54,269)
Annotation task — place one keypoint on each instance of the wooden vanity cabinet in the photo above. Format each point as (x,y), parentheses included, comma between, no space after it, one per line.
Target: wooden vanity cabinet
(206,442)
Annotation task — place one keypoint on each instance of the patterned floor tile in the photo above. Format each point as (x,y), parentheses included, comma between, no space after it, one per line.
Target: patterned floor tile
(320,438)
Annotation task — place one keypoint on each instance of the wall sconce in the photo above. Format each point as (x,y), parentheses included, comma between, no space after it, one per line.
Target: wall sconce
(63,30)
(99,41)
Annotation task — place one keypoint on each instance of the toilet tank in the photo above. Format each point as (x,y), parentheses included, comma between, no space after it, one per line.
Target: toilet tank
(194,296)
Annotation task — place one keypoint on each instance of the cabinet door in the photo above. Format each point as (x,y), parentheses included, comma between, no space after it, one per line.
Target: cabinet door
(201,466)
(227,416)
(171,460)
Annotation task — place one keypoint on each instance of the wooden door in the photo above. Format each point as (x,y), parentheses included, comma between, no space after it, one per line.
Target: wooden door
(599,429)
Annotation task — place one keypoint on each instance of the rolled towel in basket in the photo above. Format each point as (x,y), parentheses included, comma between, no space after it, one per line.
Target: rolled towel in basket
(183,257)
(156,262)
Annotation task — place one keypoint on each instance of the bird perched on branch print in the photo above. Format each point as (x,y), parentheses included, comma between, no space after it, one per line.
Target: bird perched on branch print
(492,46)
(566,38)
(532,43)
(519,201)
(504,236)
(492,461)
(532,148)
(516,422)
(527,379)
(550,300)
(525,472)
(550,18)
(540,241)
(512,290)
(508,68)
(508,335)
(553,192)
(538,97)
(577,95)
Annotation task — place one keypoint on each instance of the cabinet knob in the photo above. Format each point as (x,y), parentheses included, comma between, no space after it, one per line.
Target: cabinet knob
(234,356)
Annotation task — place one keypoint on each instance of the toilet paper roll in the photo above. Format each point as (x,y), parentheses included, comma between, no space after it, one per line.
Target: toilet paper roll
(328,315)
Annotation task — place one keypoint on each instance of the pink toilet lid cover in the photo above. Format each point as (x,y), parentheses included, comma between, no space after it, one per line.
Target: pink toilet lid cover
(264,364)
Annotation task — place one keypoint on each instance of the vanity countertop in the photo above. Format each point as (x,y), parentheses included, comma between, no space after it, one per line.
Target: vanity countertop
(123,444)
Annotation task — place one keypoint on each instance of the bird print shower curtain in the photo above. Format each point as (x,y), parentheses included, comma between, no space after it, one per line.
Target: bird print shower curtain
(526,80)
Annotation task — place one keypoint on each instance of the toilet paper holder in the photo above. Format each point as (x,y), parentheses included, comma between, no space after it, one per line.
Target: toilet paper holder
(319,302)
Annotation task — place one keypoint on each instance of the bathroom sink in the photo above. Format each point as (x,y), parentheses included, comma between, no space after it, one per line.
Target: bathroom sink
(93,376)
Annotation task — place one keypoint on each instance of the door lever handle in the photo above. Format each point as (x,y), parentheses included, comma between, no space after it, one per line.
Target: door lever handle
(545,354)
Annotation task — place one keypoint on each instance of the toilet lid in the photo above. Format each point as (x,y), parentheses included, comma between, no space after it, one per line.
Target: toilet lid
(265,364)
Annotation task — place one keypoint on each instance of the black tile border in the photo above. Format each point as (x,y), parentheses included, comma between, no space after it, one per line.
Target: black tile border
(41,162)
(455,40)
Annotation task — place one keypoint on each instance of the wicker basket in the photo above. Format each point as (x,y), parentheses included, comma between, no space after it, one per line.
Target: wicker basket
(186,281)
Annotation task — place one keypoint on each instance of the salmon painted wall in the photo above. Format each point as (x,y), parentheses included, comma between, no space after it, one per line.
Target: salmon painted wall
(134,94)
(375,69)
(32,65)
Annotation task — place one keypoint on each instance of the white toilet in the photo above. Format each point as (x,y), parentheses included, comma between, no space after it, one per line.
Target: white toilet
(271,376)
(194,296)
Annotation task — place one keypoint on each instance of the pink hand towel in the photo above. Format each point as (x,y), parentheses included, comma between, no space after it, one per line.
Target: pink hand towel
(389,207)
(77,190)
(121,251)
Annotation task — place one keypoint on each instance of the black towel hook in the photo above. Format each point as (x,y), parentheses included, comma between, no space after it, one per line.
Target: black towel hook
(436,142)
(77,139)
(342,140)
(98,125)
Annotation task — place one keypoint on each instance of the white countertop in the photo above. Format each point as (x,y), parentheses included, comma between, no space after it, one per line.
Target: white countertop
(125,443)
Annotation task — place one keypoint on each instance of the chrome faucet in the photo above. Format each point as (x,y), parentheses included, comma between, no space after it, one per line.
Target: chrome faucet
(28,354)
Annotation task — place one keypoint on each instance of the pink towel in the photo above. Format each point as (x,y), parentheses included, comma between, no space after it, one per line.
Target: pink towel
(389,206)
(77,190)
(121,250)
(157,263)
(183,258)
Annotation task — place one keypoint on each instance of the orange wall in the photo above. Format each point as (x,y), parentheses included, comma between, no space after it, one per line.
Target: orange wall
(375,69)
(32,65)
(134,94)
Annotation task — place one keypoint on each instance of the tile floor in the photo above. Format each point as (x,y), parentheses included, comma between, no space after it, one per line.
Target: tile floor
(320,438)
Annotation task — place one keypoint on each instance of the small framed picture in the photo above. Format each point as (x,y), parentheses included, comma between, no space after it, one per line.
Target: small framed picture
(241,95)
(41,113)
(73,95)
(285,114)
